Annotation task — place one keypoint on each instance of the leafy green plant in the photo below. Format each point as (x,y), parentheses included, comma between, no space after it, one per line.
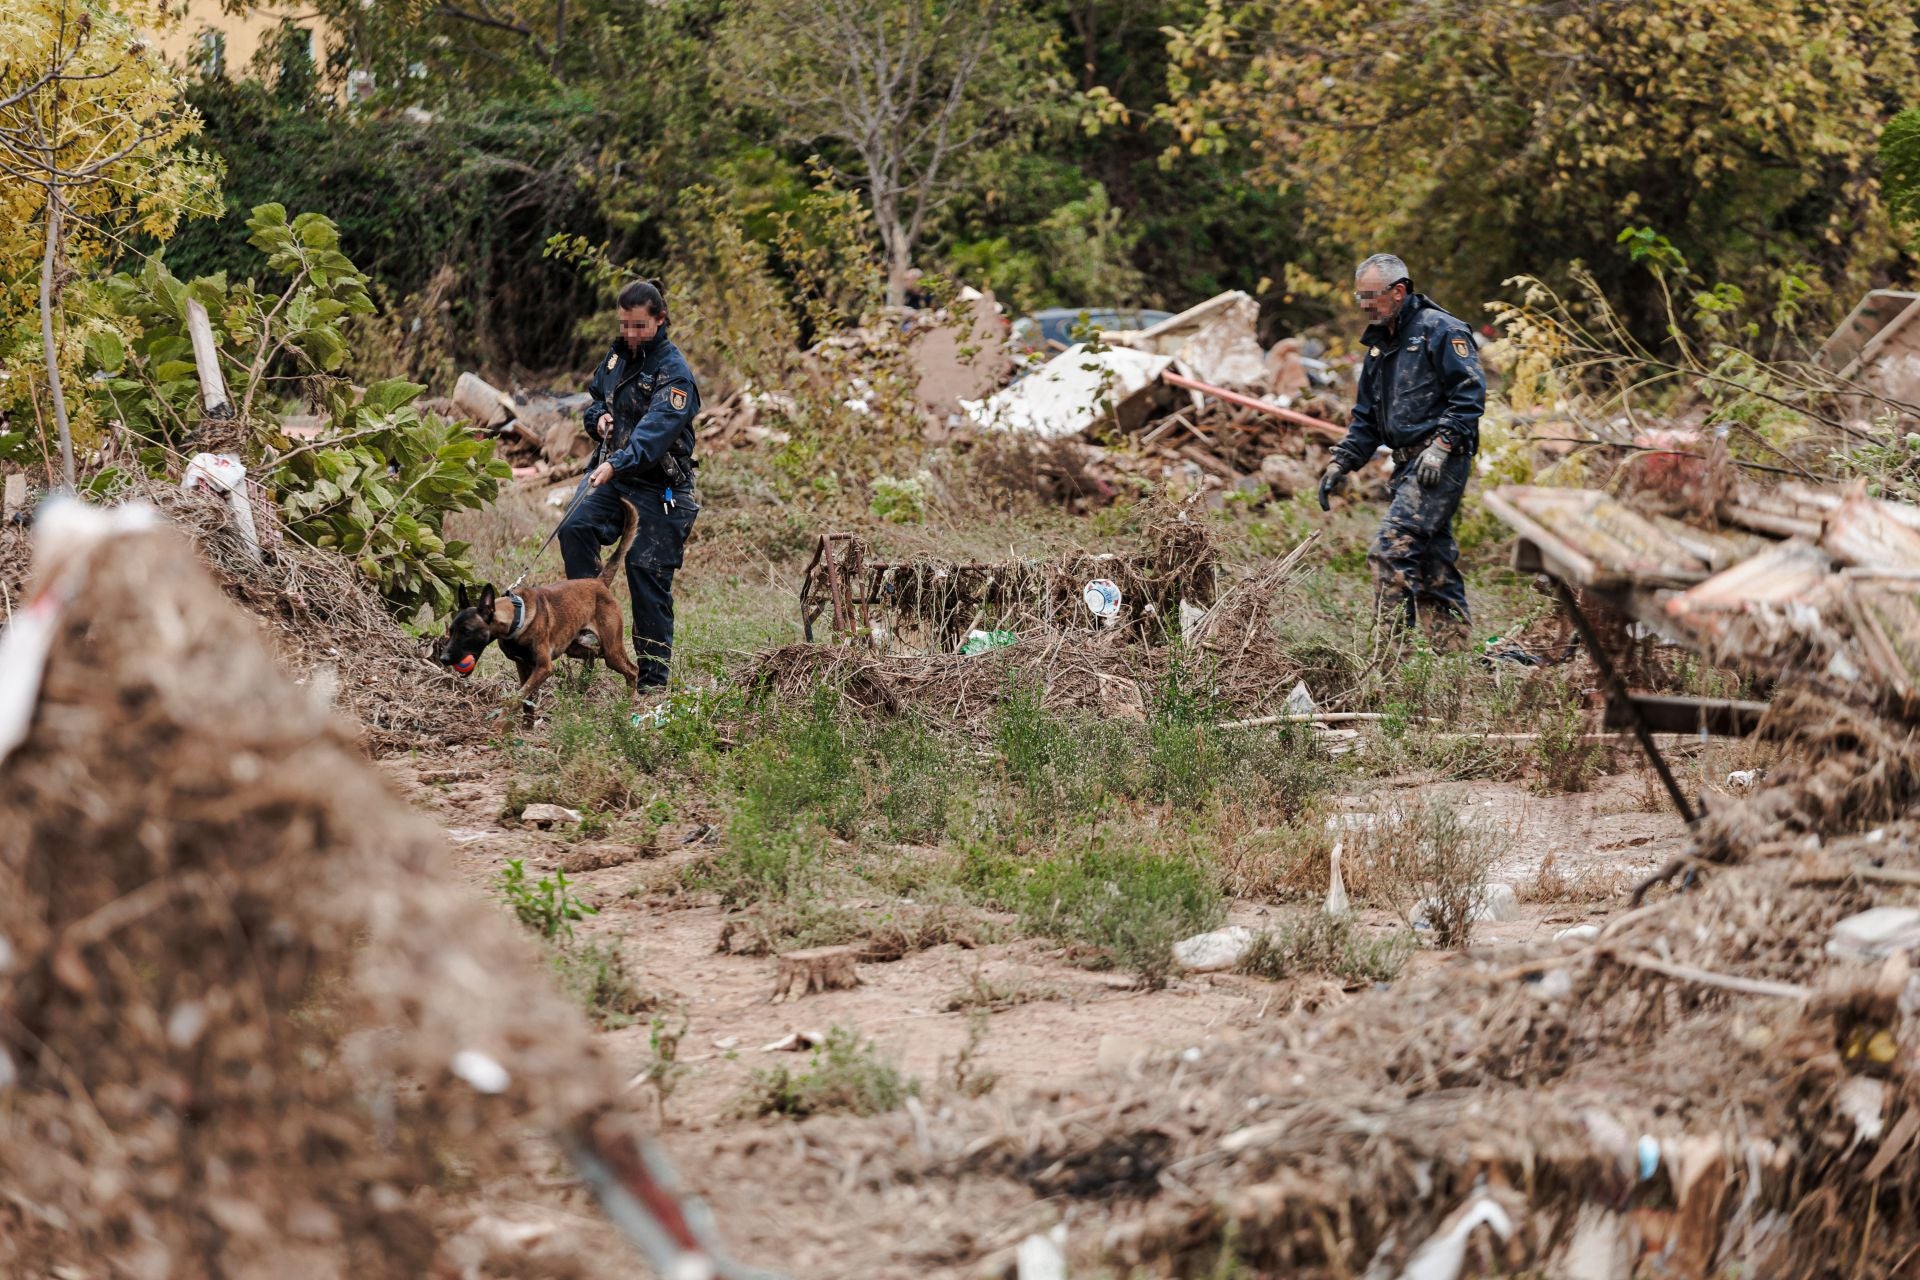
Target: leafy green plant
(845,1074)
(379,484)
(548,906)
(899,501)
(379,494)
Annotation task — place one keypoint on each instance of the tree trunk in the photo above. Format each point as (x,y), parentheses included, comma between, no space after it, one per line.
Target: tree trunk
(46,337)
(899,249)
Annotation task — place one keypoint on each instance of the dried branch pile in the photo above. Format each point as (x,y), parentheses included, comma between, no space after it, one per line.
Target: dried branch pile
(249,1024)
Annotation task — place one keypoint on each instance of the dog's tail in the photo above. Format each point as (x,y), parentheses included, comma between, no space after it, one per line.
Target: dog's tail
(619,556)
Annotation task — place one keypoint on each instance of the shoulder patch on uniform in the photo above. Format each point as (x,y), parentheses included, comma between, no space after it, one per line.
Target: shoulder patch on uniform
(613,360)
(1460,347)
(677,397)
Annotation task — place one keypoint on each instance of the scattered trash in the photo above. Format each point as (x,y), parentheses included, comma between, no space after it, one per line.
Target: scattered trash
(1215,951)
(550,815)
(1496,901)
(1863,1100)
(1442,1256)
(796,1042)
(1578,933)
(1554,984)
(979,642)
(1043,1257)
(1074,391)
(1744,779)
(1102,596)
(481,1071)
(1337,903)
(1876,933)
(1300,701)
(1647,1156)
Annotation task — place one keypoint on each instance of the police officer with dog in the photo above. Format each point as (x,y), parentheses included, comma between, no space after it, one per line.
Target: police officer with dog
(644,402)
(1421,395)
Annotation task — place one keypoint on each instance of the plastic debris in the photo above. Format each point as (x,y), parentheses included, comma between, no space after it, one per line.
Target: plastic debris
(1215,951)
(481,1071)
(1337,903)
(1300,701)
(1043,1256)
(979,642)
(1442,1257)
(1578,933)
(1497,902)
(1102,597)
(1876,933)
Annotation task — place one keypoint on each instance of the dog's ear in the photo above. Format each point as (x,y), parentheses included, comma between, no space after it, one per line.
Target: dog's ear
(486,598)
(460,596)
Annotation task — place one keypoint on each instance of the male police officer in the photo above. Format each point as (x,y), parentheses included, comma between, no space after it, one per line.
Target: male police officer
(644,399)
(1421,394)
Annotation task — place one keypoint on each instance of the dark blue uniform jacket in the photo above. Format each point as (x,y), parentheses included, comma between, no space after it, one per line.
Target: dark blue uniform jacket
(1420,378)
(652,397)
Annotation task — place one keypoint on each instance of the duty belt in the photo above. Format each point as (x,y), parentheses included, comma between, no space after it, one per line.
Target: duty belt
(1401,457)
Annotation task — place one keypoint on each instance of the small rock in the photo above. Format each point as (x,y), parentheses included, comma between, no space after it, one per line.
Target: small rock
(1579,933)
(1215,951)
(1118,1053)
(549,815)
(1873,934)
(1554,984)
(725,1043)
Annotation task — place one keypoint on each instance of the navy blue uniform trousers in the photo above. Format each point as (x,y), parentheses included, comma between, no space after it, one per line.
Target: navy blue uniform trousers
(658,546)
(1415,557)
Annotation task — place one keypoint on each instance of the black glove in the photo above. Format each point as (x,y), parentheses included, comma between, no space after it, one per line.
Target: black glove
(1332,481)
(1432,460)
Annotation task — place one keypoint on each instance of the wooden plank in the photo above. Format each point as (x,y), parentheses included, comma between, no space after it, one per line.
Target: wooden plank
(16,496)
(1316,426)
(1724,717)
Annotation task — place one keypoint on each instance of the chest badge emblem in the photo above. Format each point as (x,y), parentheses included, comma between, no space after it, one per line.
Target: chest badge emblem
(1374,352)
(612,361)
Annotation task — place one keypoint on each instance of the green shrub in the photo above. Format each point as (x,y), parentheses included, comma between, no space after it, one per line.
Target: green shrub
(1129,904)
(547,906)
(1316,942)
(596,975)
(845,1074)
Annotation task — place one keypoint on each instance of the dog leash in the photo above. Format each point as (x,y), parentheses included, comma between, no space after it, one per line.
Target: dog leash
(535,557)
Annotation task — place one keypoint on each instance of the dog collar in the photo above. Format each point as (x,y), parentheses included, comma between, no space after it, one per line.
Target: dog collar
(519,616)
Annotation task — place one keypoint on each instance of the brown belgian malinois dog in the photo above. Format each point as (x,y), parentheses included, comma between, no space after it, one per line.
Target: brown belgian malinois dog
(535,625)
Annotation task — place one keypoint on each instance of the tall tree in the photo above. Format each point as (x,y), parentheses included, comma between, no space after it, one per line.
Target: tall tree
(90,126)
(902,97)
(1481,140)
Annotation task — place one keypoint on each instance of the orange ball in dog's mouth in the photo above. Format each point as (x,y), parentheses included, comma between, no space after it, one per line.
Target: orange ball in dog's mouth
(464,665)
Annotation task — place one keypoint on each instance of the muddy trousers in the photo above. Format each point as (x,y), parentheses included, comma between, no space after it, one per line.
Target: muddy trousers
(1414,558)
(658,546)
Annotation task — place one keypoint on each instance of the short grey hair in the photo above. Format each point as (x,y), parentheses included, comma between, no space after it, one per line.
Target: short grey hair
(1384,265)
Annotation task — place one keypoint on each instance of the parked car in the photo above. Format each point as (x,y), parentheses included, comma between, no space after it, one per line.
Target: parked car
(1044,334)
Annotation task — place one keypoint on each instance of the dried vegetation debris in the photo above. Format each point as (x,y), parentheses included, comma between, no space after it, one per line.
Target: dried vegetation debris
(251,1023)
(326,622)
(900,623)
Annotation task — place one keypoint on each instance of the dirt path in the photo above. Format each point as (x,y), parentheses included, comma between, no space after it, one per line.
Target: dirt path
(1069,1029)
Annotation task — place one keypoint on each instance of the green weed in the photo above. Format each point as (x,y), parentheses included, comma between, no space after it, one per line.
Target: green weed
(1319,943)
(1128,904)
(596,975)
(845,1075)
(548,906)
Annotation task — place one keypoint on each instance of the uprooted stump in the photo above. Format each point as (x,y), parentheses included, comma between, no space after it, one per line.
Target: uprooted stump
(802,973)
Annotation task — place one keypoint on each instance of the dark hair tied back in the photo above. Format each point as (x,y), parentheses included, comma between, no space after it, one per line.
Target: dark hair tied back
(651,294)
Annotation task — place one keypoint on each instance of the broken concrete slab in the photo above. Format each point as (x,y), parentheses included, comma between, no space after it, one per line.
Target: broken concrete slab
(1076,390)
(1216,340)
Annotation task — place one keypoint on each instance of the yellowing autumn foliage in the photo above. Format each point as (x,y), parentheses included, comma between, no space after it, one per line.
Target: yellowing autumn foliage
(92,124)
(1481,139)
